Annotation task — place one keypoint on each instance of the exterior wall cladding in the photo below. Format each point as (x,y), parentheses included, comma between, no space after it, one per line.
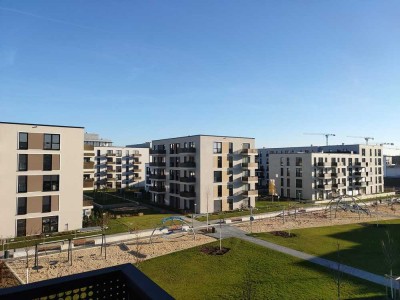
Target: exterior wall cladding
(318,173)
(40,178)
(203,173)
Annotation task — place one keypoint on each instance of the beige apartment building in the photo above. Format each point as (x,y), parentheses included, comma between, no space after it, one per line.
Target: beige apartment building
(203,173)
(40,178)
(319,173)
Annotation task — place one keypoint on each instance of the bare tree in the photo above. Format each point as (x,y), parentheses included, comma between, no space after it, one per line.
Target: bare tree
(390,253)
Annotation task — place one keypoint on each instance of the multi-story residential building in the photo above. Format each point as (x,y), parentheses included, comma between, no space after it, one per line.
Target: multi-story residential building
(93,139)
(120,167)
(203,173)
(40,178)
(317,173)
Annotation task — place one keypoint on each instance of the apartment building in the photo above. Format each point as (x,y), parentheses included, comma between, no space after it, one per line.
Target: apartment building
(318,173)
(40,178)
(203,173)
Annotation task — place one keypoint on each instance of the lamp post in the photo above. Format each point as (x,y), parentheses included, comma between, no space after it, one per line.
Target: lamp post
(193,214)
(251,219)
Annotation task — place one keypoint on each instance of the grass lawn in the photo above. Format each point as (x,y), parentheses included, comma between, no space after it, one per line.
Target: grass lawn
(261,207)
(148,221)
(360,244)
(190,274)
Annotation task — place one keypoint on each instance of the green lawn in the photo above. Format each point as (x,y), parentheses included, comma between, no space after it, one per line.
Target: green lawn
(261,207)
(147,221)
(360,244)
(190,274)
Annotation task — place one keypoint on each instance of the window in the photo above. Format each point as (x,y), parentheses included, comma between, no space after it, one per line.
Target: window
(51,183)
(22,184)
(21,227)
(217,176)
(49,224)
(299,172)
(287,161)
(47,162)
(51,142)
(217,147)
(22,162)
(220,191)
(287,172)
(21,206)
(299,161)
(299,183)
(363,152)
(46,204)
(219,161)
(230,147)
(23,141)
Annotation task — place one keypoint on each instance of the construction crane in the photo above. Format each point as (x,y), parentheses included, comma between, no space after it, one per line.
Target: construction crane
(383,144)
(366,138)
(327,135)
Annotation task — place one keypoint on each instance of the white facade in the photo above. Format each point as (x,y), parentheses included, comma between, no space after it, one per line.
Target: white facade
(203,173)
(40,178)
(317,173)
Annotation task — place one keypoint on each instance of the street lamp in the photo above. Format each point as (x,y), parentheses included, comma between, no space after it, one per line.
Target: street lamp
(193,213)
(251,219)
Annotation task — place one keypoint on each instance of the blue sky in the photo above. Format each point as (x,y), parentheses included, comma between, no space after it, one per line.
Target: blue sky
(134,71)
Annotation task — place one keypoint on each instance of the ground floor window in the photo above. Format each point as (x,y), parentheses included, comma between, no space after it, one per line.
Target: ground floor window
(50,224)
(21,227)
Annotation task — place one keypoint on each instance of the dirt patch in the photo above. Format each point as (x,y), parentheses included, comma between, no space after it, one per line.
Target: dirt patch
(214,250)
(7,279)
(283,234)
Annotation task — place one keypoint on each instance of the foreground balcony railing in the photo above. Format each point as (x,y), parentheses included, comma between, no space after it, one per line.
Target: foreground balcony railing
(188,164)
(187,150)
(157,189)
(187,179)
(249,151)
(118,282)
(157,151)
(157,164)
(157,177)
(250,179)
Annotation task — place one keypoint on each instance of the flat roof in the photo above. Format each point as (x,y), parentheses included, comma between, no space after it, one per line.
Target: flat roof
(47,125)
(309,147)
(222,136)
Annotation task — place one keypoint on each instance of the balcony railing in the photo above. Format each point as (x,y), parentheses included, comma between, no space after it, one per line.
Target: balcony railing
(157,164)
(188,194)
(135,155)
(188,164)
(88,147)
(359,174)
(88,154)
(88,183)
(157,177)
(187,150)
(158,151)
(326,187)
(110,162)
(250,179)
(118,282)
(337,164)
(188,179)
(249,151)
(249,165)
(361,183)
(337,185)
(324,175)
(88,165)
(157,189)
(111,154)
(250,193)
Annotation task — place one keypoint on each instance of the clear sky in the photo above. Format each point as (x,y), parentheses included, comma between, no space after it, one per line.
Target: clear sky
(134,71)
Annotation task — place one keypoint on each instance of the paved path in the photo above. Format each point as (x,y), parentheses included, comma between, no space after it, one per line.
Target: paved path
(232,231)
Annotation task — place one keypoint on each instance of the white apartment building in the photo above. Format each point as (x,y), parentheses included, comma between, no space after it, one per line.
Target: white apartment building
(40,178)
(203,173)
(318,173)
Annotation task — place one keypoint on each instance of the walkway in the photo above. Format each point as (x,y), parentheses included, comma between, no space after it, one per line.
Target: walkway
(232,231)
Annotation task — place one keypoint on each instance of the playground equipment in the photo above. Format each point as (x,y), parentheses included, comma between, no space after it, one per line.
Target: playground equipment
(348,203)
(173,227)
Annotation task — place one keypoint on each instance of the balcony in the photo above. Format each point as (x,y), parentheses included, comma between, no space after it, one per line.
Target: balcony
(88,154)
(137,170)
(359,164)
(110,170)
(324,175)
(157,177)
(250,193)
(110,154)
(337,164)
(323,164)
(135,162)
(158,151)
(157,189)
(250,165)
(188,164)
(188,194)
(88,147)
(88,183)
(360,184)
(111,179)
(359,174)
(337,185)
(249,152)
(88,165)
(187,150)
(326,187)
(250,179)
(188,179)
(110,163)
(340,174)
(135,155)
(157,164)
(123,281)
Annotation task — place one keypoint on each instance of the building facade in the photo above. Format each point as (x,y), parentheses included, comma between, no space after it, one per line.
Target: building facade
(40,178)
(202,173)
(318,173)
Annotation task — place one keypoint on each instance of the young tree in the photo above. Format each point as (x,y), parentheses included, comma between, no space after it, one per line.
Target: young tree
(390,254)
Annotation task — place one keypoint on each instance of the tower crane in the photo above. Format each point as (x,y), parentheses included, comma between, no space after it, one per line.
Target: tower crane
(383,144)
(327,135)
(366,138)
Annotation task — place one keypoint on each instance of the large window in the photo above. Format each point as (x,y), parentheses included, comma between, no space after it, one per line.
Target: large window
(21,206)
(51,142)
(21,227)
(220,191)
(217,176)
(299,183)
(299,172)
(49,224)
(23,140)
(46,204)
(299,161)
(47,162)
(51,183)
(22,184)
(219,161)
(217,147)
(22,162)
